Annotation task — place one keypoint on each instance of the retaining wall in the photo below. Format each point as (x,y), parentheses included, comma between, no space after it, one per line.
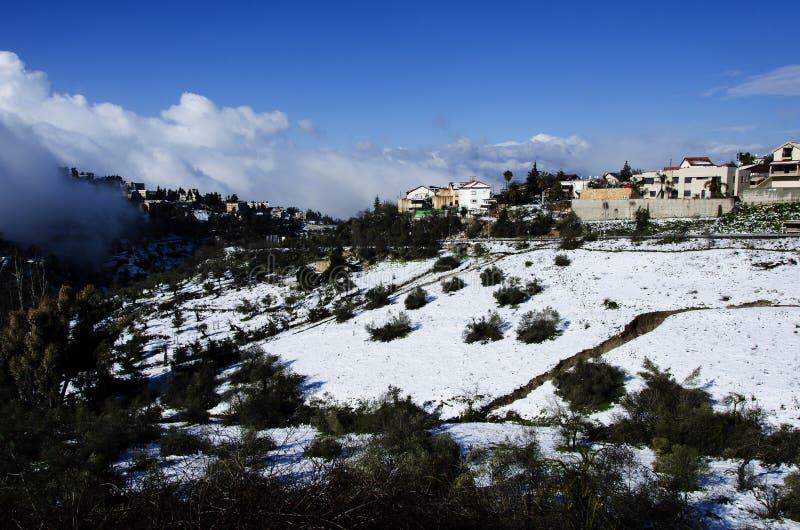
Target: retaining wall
(769,195)
(593,210)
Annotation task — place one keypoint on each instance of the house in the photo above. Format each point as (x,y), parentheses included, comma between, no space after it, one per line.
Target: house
(752,176)
(235,207)
(137,188)
(475,196)
(573,185)
(613,179)
(784,170)
(695,178)
(419,198)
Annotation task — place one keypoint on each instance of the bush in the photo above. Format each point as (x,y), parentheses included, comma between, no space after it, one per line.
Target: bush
(681,466)
(178,442)
(324,447)
(642,218)
(396,328)
(562,260)
(379,296)
(318,312)
(491,276)
(266,394)
(452,285)
(510,294)
(790,500)
(343,310)
(610,304)
(488,328)
(590,386)
(538,326)
(533,287)
(416,298)
(781,447)
(446,263)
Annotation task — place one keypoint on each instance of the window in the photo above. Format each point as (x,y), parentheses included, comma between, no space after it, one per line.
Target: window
(787,152)
(688,180)
(652,194)
(648,180)
(474,201)
(675,180)
(687,193)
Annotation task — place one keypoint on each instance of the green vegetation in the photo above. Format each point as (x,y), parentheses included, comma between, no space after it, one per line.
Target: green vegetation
(491,276)
(446,263)
(452,285)
(416,299)
(379,296)
(511,293)
(487,329)
(397,327)
(538,326)
(562,260)
(590,386)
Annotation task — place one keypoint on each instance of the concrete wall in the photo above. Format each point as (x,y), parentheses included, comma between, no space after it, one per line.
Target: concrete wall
(659,208)
(769,195)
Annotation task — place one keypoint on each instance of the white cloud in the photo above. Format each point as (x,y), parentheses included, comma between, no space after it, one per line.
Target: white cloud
(308,126)
(196,143)
(783,81)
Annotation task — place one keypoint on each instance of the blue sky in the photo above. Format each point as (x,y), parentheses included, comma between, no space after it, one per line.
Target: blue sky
(634,81)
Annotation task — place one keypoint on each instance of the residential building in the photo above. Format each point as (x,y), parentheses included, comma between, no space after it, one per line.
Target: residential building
(573,185)
(475,196)
(784,170)
(694,178)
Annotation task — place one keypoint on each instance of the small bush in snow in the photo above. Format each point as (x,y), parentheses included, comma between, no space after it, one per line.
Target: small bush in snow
(562,260)
(488,329)
(533,287)
(446,263)
(511,293)
(396,328)
(491,276)
(452,285)
(379,296)
(318,312)
(416,298)
(324,447)
(538,326)
(589,386)
(790,500)
(610,304)
(343,310)
(178,442)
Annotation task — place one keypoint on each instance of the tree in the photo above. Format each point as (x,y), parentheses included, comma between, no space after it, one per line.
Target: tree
(745,158)
(503,227)
(508,175)
(59,343)
(715,187)
(625,173)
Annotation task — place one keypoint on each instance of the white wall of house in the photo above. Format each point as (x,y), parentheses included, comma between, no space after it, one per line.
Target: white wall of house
(475,198)
(686,183)
(785,166)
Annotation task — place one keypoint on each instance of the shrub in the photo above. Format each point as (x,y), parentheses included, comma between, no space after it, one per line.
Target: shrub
(510,294)
(681,466)
(790,500)
(416,298)
(781,447)
(562,260)
(610,304)
(324,447)
(538,326)
(533,287)
(452,285)
(178,442)
(396,328)
(379,296)
(266,394)
(318,312)
(446,263)
(589,386)
(343,310)
(491,276)
(642,218)
(488,328)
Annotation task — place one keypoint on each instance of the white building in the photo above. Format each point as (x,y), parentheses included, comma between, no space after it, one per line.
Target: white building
(784,171)
(694,178)
(475,196)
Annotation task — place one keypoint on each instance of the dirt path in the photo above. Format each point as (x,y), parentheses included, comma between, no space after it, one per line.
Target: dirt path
(640,325)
